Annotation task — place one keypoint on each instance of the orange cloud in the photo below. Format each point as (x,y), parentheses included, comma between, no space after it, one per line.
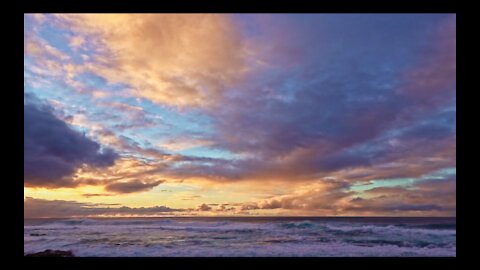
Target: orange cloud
(175,59)
(125,172)
(326,196)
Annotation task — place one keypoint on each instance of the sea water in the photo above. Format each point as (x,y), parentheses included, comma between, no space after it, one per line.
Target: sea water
(243,236)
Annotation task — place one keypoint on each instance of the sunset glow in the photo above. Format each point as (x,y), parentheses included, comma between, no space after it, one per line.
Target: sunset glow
(239,115)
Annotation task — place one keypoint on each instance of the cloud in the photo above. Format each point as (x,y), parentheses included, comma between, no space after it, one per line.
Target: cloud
(190,197)
(39,48)
(249,206)
(184,143)
(426,197)
(132,186)
(432,82)
(224,207)
(53,151)
(342,102)
(76,42)
(288,122)
(174,59)
(333,113)
(40,208)
(204,207)
(88,195)
(323,197)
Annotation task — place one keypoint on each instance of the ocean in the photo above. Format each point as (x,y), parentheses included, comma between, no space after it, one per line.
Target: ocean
(244,236)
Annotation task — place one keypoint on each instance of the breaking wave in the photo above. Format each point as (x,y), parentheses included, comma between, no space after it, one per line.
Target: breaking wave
(216,237)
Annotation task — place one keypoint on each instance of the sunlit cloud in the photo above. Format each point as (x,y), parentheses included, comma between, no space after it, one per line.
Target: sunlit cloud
(241,114)
(181,60)
(38,208)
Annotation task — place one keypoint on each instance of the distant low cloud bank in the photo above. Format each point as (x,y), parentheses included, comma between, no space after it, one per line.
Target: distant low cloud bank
(40,208)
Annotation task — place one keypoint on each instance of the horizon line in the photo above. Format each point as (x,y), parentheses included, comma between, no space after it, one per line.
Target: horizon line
(106,217)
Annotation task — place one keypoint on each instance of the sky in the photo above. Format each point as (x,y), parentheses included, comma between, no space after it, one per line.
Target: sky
(239,115)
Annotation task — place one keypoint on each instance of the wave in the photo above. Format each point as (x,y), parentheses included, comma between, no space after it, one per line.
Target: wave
(307,226)
(273,249)
(438,226)
(385,229)
(174,237)
(298,225)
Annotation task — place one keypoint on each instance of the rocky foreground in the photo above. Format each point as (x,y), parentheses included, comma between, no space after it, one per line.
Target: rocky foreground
(51,253)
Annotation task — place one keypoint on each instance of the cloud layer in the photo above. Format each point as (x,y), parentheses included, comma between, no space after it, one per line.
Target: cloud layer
(53,150)
(175,59)
(321,114)
(39,208)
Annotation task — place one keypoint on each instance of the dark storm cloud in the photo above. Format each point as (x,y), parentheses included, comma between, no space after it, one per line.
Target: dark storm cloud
(53,150)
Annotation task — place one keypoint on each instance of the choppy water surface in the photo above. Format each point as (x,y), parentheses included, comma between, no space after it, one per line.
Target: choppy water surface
(206,237)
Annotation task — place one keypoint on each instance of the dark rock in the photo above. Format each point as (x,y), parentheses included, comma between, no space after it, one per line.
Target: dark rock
(37,234)
(51,253)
